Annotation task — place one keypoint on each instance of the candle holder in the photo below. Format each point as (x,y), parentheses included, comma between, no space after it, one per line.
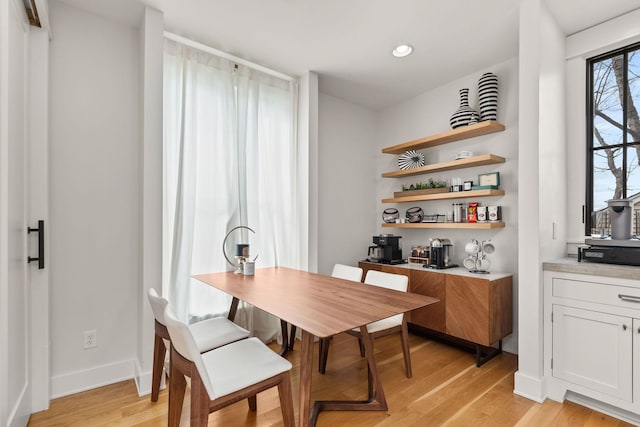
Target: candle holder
(242,251)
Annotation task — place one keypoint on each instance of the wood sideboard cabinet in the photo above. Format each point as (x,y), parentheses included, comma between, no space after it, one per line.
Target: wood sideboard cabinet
(474,308)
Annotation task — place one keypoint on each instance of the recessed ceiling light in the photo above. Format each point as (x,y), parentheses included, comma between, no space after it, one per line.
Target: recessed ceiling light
(402,50)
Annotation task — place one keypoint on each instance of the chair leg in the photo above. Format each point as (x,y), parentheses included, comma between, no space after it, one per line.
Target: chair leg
(292,337)
(286,400)
(199,401)
(253,403)
(177,386)
(405,350)
(159,352)
(324,354)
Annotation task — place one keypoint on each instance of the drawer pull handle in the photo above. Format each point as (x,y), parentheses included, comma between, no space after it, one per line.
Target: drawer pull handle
(630,298)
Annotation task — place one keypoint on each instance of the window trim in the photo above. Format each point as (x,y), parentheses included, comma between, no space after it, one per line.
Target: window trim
(588,207)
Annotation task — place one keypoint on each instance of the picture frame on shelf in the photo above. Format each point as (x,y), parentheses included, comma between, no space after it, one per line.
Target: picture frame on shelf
(489,179)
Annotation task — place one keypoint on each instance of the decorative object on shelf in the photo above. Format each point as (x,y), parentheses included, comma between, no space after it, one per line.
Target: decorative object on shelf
(488,181)
(241,252)
(431,183)
(494,213)
(467,185)
(476,260)
(472,212)
(482,214)
(434,218)
(488,96)
(415,214)
(464,154)
(410,160)
(458,212)
(464,115)
(456,184)
(390,215)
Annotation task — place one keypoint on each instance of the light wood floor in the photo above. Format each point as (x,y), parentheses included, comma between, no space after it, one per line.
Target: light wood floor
(446,389)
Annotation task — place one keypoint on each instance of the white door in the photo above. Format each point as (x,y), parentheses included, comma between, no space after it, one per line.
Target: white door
(15,391)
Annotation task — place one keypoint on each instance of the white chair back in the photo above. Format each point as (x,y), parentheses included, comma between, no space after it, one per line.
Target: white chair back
(398,282)
(158,305)
(347,272)
(182,340)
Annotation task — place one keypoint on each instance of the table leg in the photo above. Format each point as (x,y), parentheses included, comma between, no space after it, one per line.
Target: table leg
(376,399)
(306,362)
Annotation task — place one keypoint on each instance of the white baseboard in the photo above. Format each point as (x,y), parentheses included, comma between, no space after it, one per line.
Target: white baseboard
(530,387)
(87,379)
(143,380)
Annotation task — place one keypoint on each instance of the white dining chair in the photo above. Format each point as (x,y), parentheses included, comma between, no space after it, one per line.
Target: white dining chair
(390,325)
(223,376)
(208,334)
(340,271)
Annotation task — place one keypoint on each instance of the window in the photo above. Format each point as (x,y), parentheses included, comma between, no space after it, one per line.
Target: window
(613,136)
(231,157)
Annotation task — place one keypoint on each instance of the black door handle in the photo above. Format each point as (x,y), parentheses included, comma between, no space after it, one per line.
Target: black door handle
(40,231)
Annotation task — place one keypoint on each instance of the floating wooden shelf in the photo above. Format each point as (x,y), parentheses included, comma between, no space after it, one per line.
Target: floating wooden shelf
(461,225)
(443,196)
(482,160)
(464,132)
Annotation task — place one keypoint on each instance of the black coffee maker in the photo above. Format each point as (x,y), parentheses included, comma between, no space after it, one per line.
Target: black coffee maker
(386,249)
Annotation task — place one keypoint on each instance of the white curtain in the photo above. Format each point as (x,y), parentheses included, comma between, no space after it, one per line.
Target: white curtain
(231,158)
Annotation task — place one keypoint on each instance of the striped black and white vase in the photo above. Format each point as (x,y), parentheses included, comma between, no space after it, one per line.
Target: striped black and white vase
(488,96)
(464,115)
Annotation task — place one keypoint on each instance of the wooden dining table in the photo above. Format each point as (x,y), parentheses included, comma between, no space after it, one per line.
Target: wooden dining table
(320,306)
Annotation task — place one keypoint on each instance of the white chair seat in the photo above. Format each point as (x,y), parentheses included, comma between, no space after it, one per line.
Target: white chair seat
(383,324)
(216,332)
(241,364)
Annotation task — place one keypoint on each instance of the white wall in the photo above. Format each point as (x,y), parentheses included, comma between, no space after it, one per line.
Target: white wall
(346,182)
(429,113)
(599,39)
(95,261)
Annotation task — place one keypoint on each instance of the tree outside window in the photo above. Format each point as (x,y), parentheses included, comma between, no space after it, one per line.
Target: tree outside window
(613,165)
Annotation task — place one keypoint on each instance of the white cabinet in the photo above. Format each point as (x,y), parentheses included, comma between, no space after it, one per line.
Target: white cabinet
(636,352)
(591,341)
(593,350)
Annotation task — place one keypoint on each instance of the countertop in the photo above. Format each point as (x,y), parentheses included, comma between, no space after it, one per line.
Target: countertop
(571,265)
(458,271)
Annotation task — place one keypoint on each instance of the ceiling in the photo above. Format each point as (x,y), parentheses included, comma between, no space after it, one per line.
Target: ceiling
(349,42)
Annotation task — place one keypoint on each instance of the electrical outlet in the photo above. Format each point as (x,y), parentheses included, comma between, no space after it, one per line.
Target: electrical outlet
(90,339)
(555,230)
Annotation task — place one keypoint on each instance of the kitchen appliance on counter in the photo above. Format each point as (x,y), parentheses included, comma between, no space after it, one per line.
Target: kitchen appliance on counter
(620,248)
(386,250)
(440,254)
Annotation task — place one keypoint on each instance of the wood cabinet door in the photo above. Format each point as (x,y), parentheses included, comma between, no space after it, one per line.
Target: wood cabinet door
(433,285)
(593,349)
(467,308)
